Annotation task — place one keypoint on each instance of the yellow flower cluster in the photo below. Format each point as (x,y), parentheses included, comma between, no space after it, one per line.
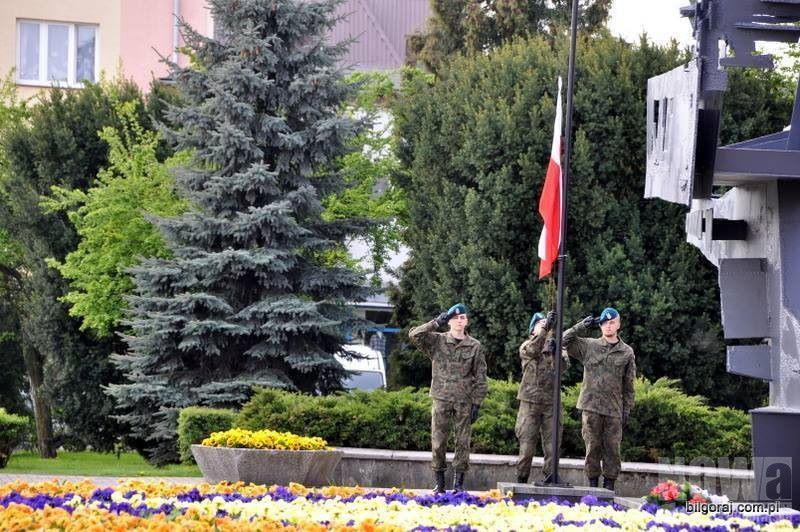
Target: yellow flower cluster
(264,439)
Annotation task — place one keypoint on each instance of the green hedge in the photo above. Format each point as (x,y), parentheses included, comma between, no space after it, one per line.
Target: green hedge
(13,429)
(196,423)
(377,419)
(665,423)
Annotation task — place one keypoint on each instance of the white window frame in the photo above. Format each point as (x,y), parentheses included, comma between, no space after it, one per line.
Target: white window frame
(72,51)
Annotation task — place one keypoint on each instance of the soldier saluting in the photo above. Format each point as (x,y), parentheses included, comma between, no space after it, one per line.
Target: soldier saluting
(458,387)
(606,400)
(536,410)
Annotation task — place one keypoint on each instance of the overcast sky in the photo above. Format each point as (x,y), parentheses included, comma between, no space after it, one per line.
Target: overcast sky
(659,18)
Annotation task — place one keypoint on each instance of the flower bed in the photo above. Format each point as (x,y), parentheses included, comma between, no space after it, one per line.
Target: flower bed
(265,439)
(162,506)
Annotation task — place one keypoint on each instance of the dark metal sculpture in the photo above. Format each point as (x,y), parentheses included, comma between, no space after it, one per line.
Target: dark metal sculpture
(752,231)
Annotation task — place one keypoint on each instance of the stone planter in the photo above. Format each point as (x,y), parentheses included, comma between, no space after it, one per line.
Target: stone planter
(262,466)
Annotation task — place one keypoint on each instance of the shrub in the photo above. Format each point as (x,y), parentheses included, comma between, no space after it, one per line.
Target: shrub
(665,423)
(265,439)
(12,431)
(668,424)
(378,419)
(196,423)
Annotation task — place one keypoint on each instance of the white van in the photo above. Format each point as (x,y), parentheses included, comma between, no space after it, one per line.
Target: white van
(369,370)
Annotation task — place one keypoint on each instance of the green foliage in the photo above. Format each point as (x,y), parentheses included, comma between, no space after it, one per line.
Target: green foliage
(111,221)
(13,385)
(758,102)
(493,431)
(474,146)
(367,170)
(12,431)
(57,145)
(249,296)
(665,423)
(469,27)
(378,419)
(196,423)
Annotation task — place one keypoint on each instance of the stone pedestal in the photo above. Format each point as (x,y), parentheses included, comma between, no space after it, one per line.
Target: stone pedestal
(521,492)
(776,451)
(261,466)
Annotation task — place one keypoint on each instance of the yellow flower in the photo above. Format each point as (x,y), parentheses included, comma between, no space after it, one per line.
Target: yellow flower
(264,439)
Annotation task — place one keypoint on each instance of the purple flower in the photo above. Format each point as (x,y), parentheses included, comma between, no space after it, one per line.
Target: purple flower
(102,494)
(560,521)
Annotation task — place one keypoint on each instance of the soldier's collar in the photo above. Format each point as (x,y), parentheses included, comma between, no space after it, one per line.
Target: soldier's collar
(468,340)
(619,343)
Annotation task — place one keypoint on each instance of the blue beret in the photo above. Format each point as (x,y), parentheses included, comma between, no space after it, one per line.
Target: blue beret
(607,314)
(536,317)
(455,310)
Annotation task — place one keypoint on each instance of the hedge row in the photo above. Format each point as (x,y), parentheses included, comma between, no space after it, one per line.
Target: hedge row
(13,429)
(664,424)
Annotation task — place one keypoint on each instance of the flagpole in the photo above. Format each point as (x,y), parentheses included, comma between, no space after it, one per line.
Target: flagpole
(562,250)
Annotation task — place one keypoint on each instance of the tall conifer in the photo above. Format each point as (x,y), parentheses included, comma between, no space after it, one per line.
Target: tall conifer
(252,296)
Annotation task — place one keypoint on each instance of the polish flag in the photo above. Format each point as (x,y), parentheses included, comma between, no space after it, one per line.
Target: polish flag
(550,201)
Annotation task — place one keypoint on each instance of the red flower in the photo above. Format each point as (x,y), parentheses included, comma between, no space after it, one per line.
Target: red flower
(672,493)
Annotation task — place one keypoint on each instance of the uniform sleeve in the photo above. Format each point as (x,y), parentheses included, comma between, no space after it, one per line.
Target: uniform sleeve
(628,392)
(531,349)
(424,337)
(565,364)
(574,344)
(479,377)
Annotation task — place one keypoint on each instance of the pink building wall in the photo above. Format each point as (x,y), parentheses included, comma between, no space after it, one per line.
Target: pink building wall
(379,27)
(147,31)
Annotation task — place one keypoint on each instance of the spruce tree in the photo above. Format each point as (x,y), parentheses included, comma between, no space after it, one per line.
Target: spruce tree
(253,295)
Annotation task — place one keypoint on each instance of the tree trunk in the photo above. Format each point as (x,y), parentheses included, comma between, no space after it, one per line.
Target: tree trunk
(41,407)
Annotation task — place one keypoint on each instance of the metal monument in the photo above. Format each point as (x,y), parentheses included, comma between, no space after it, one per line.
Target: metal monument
(744,202)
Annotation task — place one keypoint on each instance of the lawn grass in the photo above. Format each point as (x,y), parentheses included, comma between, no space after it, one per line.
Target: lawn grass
(93,464)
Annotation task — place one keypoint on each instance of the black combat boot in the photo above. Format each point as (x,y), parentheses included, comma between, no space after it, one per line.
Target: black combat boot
(593,482)
(608,483)
(522,479)
(439,487)
(458,481)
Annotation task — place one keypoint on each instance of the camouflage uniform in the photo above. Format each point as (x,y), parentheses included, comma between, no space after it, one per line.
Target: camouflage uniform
(458,382)
(535,414)
(606,397)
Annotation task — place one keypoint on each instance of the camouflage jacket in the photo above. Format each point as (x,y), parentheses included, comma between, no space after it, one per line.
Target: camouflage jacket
(538,372)
(608,373)
(458,367)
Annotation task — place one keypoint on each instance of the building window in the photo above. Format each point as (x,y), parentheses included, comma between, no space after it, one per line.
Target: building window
(56,53)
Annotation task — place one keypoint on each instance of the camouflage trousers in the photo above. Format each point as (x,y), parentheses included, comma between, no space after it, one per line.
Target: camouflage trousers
(535,421)
(445,414)
(602,436)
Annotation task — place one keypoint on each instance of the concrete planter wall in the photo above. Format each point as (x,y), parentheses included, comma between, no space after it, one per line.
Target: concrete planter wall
(412,469)
(261,466)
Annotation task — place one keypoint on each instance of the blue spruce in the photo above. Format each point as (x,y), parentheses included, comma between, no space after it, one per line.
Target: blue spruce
(251,297)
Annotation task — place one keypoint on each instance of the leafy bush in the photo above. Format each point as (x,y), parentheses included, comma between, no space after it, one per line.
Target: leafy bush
(265,439)
(12,431)
(196,423)
(378,419)
(665,423)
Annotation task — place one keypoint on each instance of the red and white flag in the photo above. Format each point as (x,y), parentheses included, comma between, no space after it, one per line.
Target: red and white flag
(550,201)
